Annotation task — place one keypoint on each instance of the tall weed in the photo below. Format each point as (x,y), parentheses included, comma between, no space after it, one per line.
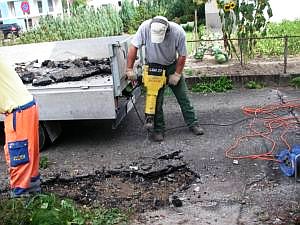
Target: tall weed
(84,23)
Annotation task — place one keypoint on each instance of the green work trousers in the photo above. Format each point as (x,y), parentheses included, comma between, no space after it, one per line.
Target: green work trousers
(180,92)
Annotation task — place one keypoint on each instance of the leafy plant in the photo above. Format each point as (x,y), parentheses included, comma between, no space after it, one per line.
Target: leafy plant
(220,55)
(188,71)
(48,209)
(188,27)
(44,162)
(202,87)
(199,54)
(245,19)
(222,84)
(254,85)
(295,82)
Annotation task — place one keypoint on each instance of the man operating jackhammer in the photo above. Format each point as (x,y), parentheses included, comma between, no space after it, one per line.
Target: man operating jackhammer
(21,133)
(164,41)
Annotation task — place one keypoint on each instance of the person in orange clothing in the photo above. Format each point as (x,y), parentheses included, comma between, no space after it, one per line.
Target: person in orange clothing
(21,133)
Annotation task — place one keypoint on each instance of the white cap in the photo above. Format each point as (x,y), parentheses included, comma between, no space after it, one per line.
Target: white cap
(159,26)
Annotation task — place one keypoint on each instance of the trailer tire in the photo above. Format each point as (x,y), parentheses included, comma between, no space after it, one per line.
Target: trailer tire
(43,137)
(2,134)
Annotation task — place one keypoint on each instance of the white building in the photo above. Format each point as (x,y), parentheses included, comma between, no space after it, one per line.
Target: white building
(99,3)
(11,11)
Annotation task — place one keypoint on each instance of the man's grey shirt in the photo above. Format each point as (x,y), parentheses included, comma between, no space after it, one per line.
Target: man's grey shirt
(162,53)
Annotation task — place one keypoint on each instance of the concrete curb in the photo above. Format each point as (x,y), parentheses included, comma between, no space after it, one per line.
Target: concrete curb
(241,80)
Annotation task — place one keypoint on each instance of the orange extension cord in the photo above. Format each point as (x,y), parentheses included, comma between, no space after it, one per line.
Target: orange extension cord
(267,115)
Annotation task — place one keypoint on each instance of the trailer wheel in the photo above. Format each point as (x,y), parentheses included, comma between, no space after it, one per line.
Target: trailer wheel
(43,136)
(2,134)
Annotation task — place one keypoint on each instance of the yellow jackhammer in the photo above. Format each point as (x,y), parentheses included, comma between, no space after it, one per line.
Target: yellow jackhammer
(154,78)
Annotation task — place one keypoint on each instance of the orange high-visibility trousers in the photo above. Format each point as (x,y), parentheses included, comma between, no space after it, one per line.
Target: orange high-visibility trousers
(22,149)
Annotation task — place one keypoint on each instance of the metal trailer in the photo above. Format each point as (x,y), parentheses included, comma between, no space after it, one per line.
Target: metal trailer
(94,98)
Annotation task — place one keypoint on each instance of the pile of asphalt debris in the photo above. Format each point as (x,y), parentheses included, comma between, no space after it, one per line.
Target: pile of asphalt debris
(142,185)
(147,184)
(49,72)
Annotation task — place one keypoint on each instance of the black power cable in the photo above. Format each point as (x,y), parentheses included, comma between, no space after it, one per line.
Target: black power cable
(137,112)
(183,126)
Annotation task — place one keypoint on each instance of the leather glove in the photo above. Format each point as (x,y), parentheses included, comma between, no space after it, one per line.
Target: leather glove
(130,74)
(174,79)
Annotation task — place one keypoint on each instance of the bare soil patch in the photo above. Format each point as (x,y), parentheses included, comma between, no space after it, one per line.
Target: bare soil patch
(141,186)
(124,191)
(261,66)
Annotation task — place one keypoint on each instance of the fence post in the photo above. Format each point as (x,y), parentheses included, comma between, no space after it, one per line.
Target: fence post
(1,38)
(285,53)
(241,50)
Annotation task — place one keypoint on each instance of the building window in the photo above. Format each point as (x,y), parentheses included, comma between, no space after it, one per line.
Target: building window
(1,22)
(40,6)
(50,5)
(29,25)
(11,8)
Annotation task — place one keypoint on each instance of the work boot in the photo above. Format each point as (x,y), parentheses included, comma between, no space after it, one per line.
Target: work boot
(158,136)
(25,194)
(35,187)
(196,129)
(149,122)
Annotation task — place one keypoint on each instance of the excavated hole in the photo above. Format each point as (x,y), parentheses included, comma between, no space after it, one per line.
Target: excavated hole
(122,189)
(144,185)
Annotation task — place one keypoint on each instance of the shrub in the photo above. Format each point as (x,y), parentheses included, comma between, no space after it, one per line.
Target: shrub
(254,85)
(48,209)
(295,82)
(126,13)
(222,84)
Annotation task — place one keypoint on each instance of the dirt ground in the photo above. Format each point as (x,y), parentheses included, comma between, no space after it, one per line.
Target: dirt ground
(185,179)
(258,66)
